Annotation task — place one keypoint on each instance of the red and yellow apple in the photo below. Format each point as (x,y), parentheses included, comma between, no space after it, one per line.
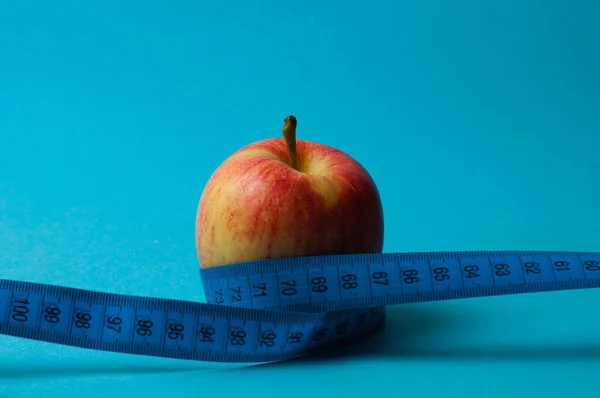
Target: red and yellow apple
(283,197)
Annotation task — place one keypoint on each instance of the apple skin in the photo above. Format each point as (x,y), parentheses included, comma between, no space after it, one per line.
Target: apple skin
(256,206)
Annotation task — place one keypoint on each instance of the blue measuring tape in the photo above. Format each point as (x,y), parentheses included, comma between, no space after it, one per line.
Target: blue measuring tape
(276,309)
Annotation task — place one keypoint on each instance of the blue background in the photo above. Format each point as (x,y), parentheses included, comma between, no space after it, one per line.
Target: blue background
(478,120)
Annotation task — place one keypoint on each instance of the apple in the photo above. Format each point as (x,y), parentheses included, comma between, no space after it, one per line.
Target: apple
(283,197)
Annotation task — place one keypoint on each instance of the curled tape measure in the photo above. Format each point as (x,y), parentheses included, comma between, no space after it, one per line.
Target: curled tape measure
(272,310)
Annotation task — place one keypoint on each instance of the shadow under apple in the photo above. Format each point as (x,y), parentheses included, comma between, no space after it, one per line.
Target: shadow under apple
(408,327)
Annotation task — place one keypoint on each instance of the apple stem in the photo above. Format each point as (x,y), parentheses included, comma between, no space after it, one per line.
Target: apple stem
(289,133)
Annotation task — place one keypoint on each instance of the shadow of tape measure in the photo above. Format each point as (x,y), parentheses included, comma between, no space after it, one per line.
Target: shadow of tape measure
(277,309)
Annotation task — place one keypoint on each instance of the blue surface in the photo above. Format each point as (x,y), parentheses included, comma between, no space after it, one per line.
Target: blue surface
(479,122)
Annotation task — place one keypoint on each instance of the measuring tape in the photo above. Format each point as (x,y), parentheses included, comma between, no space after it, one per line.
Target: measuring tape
(277,309)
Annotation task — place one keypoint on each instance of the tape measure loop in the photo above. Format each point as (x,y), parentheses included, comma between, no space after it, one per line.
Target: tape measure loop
(272,310)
